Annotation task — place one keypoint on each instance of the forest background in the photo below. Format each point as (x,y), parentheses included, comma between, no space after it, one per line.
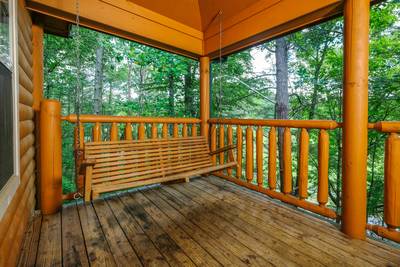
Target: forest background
(298,76)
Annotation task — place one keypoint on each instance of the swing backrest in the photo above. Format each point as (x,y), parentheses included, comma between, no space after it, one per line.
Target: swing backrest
(122,162)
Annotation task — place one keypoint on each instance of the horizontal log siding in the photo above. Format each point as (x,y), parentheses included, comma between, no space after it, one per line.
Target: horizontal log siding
(16,218)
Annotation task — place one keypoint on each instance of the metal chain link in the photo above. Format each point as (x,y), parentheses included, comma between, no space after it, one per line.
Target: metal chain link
(220,65)
(78,195)
(77,40)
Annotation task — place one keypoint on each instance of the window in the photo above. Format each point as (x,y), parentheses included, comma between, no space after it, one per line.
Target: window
(6,126)
(5,36)
(9,179)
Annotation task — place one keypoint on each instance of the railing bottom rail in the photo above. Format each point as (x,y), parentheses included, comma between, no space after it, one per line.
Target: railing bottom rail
(287,198)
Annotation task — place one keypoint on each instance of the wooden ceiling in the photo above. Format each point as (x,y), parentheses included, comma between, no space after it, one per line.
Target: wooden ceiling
(197,14)
(191,27)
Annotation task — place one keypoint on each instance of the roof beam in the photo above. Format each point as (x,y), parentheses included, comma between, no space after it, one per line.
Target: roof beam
(266,20)
(127,20)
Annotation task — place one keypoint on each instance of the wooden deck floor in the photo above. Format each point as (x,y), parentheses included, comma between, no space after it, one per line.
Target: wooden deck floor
(207,222)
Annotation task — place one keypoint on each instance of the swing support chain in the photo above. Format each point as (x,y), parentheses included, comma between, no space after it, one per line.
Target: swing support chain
(78,153)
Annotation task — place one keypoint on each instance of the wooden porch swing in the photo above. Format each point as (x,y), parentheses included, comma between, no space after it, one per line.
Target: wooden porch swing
(117,165)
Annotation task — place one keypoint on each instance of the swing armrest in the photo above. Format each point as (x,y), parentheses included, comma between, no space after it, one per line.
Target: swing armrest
(223,149)
(86,163)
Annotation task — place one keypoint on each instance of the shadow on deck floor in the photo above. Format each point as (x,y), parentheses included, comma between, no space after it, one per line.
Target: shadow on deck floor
(207,222)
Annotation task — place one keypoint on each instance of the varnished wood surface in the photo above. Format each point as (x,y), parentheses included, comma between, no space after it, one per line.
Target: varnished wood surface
(15,220)
(207,222)
(124,165)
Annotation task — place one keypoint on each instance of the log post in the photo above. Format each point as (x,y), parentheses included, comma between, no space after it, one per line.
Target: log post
(260,155)
(287,186)
(355,117)
(249,154)
(96,136)
(303,163)
(239,141)
(128,131)
(114,132)
(50,157)
(272,159)
(392,182)
(204,95)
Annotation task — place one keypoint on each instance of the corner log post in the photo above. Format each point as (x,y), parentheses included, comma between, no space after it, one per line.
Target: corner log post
(50,157)
(355,117)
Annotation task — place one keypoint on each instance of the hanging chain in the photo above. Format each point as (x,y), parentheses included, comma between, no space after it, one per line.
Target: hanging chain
(78,71)
(77,39)
(220,65)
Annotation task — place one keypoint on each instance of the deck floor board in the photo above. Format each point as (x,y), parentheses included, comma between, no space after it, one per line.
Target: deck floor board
(207,222)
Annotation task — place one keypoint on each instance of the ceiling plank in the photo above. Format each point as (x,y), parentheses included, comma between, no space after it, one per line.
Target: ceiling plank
(265,20)
(131,22)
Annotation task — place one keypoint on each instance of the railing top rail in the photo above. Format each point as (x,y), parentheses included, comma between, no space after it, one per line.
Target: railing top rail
(126,119)
(385,126)
(309,124)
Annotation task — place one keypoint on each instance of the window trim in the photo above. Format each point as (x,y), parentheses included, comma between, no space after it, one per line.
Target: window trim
(7,193)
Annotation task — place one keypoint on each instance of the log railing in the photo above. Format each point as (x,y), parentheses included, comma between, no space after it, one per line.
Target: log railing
(258,169)
(224,130)
(130,128)
(391,182)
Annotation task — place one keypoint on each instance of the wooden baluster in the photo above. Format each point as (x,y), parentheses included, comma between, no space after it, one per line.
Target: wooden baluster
(323,165)
(303,163)
(114,132)
(194,129)
(165,130)
(175,130)
(97,132)
(230,152)
(239,142)
(154,131)
(184,130)
(392,182)
(221,143)
(260,155)
(249,154)
(213,143)
(272,159)
(128,131)
(141,131)
(287,161)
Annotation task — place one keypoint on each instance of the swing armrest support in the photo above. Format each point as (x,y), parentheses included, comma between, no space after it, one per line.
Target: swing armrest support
(223,149)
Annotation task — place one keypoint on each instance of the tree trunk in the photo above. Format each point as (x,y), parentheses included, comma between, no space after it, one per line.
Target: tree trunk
(111,110)
(188,87)
(129,85)
(171,95)
(98,82)
(282,93)
(316,80)
(314,97)
(142,77)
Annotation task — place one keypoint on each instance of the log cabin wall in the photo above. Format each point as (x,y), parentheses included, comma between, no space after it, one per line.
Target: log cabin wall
(19,211)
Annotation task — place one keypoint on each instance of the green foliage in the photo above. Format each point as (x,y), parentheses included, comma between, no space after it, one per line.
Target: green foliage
(142,81)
